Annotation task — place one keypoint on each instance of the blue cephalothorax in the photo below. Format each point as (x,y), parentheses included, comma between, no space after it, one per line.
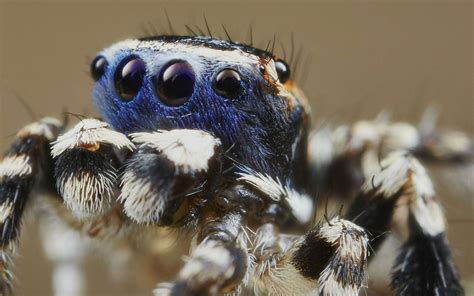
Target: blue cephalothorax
(238,93)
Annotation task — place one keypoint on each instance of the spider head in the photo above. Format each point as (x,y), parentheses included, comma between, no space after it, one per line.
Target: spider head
(240,94)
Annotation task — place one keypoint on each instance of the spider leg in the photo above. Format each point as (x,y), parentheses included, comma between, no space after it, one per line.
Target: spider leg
(318,262)
(331,259)
(337,154)
(66,242)
(401,198)
(219,261)
(66,249)
(447,145)
(26,168)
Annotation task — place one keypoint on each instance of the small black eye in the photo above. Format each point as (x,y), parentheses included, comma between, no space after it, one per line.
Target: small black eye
(175,84)
(129,77)
(98,66)
(227,83)
(283,70)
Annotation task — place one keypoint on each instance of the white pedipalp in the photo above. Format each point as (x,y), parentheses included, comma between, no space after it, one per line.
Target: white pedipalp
(189,150)
(87,194)
(90,132)
(139,200)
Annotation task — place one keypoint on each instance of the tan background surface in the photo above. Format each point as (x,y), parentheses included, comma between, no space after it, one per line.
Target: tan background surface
(365,57)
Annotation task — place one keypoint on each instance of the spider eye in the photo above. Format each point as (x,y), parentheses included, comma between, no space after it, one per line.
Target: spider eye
(129,77)
(175,84)
(283,70)
(227,83)
(98,66)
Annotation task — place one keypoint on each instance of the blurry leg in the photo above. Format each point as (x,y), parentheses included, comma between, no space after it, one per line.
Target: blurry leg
(66,249)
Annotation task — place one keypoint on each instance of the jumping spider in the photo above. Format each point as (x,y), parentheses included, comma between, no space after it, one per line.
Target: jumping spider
(212,137)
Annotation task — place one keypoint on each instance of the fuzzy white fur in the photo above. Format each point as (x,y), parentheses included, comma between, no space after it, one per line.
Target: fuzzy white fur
(15,166)
(90,132)
(189,150)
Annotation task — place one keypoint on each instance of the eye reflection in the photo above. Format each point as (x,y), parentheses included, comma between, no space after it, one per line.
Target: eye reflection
(129,77)
(98,67)
(228,83)
(283,70)
(175,84)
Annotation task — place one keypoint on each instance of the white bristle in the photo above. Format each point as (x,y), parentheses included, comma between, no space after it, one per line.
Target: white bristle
(90,132)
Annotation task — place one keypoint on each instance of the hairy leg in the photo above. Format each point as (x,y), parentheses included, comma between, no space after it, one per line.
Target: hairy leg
(337,154)
(331,259)
(26,166)
(219,261)
(400,198)
(65,249)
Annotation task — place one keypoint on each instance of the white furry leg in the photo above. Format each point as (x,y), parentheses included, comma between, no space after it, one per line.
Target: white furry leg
(330,260)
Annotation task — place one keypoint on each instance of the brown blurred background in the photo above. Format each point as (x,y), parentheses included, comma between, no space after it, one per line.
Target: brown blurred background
(360,57)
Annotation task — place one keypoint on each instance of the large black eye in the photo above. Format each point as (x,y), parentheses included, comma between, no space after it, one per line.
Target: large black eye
(283,70)
(98,66)
(129,77)
(175,84)
(227,83)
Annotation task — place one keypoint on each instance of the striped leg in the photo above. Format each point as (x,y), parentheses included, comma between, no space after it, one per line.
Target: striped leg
(337,155)
(27,165)
(219,262)
(401,198)
(329,260)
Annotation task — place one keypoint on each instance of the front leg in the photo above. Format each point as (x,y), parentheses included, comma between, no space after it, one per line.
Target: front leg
(219,262)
